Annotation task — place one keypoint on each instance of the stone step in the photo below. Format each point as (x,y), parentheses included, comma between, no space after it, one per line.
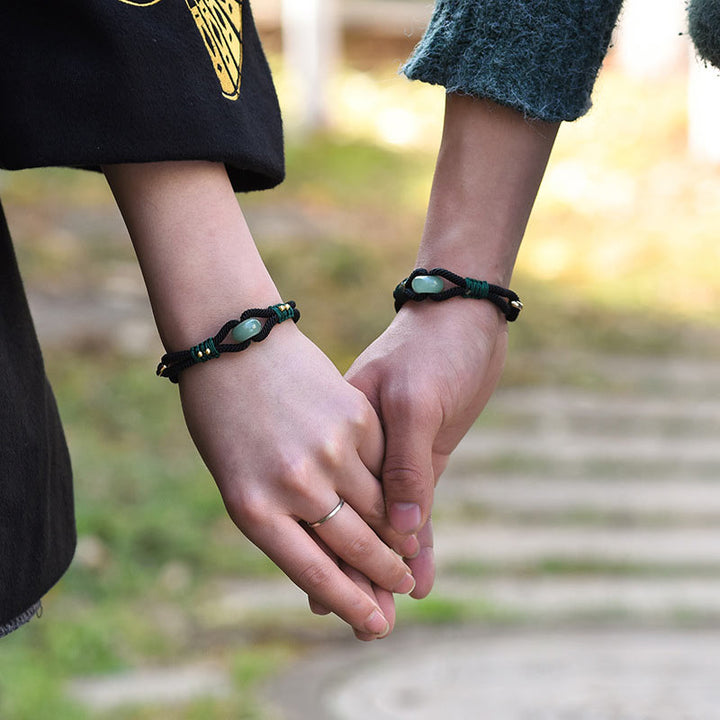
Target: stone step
(550,404)
(468,673)
(564,445)
(557,598)
(509,545)
(661,376)
(667,499)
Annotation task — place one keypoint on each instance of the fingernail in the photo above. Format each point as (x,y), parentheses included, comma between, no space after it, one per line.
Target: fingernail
(405,517)
(409,547)
(376,624)
(406,586)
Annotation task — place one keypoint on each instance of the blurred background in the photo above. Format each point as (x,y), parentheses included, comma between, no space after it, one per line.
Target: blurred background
(587,496)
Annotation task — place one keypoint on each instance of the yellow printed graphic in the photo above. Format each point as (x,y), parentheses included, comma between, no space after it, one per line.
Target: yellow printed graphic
(220,25)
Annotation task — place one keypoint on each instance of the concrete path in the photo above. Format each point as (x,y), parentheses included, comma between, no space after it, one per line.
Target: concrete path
(622,489)
(475,675)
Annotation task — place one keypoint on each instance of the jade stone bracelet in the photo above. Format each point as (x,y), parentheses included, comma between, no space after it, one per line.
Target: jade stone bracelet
(424,284)
(245,330)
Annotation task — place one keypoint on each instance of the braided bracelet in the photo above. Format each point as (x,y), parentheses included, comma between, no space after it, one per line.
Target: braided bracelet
(245,330)
(422,284)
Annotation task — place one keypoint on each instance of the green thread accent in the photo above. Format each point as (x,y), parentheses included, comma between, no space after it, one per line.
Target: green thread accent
(204,351)
(284,311)
(478,289)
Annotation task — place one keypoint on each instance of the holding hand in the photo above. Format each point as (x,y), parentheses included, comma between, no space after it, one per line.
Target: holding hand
(431,372)
(285,437)
(428,376)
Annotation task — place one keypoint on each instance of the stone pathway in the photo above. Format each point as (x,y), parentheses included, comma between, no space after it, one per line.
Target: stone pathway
(562,508)
(476,675)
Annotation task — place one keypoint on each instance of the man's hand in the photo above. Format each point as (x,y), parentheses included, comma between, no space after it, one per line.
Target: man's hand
(428,376)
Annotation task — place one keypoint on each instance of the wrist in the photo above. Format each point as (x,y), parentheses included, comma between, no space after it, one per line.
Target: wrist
(235,335)
(468,312)
(468,252)
(186,318)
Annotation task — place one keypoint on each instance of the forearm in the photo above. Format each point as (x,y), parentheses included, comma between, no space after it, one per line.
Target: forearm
(197,255)
(488,173)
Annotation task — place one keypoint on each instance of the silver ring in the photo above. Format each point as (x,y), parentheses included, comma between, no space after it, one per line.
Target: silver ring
(327,517)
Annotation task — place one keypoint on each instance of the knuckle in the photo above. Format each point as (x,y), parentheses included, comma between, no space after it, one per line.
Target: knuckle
(403,473)
(296,477)
(357,549)
(362,415)
(247,512)
(403,396)
(376,513)
(313,576)
(401,400)
(330,453)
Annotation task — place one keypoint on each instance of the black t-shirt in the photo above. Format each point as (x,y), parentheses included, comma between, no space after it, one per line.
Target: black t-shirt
(37,527)
(85,83)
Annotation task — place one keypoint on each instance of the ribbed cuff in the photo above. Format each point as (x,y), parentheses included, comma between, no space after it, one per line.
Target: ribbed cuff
(540,57)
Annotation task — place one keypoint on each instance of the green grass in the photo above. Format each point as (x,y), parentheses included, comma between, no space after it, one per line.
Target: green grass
(436,610)
(551,566)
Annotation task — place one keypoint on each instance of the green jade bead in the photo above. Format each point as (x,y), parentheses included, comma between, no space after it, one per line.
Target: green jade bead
(427,284)
(246,329)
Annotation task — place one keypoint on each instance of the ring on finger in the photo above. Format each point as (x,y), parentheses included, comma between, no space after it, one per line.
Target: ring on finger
(327,517)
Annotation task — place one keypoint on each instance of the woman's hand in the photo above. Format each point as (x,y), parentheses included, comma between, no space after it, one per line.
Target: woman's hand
(285,437)
(428,376)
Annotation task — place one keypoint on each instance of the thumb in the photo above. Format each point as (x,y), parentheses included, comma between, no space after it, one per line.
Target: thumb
(407,474)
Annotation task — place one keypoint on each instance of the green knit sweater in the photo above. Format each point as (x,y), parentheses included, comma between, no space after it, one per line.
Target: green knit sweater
(538,56)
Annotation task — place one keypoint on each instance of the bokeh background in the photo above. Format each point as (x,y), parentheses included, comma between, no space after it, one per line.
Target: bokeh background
(587,494)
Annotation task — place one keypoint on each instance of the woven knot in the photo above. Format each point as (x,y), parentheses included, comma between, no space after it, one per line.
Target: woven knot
(204,351)
(478,289)
(284,311)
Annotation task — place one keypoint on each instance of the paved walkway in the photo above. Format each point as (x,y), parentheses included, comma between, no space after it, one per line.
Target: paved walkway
(621,486)
(466,674)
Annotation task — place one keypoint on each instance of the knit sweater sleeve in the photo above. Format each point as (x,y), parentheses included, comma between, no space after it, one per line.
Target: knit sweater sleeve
(540,57)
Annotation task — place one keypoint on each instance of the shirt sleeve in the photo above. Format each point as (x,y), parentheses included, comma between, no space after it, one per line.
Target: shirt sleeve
(540,57)
(91,82)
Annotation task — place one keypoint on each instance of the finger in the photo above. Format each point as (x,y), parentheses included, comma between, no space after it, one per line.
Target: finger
(349,537)
(364,493)
(370,439)
(384,599)
(423,566)
(316,608)
(367,497)
(304,562)
(407,476)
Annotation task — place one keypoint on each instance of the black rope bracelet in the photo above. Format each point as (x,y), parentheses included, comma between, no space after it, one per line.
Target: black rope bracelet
(422,284)
(247,329)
